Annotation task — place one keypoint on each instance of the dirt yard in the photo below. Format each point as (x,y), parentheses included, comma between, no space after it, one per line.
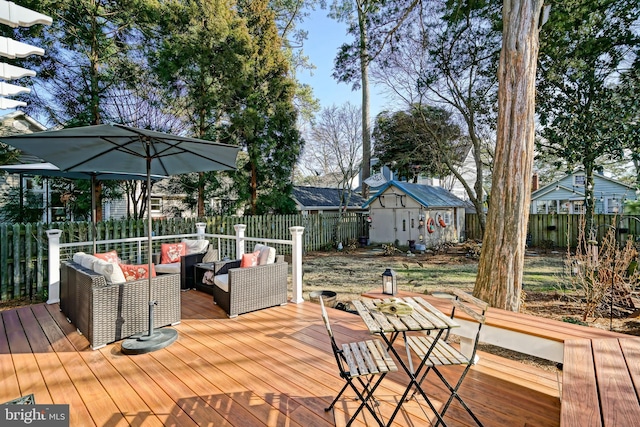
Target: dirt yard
(351,274)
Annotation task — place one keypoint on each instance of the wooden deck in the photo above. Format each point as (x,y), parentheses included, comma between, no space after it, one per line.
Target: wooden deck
(272,367)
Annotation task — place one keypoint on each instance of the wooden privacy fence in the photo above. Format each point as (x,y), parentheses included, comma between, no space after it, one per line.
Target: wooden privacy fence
(24,247)
(561,231)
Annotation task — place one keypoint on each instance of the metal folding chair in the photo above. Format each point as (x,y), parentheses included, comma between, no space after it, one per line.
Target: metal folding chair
(360,363)
(435,353)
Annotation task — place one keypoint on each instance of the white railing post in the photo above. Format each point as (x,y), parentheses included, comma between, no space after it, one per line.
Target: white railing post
(240,228)
(200,229)
(296,264)
(54,265)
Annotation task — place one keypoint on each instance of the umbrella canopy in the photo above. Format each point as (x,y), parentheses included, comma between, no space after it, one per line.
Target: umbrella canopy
(51,170)
(120,148)
(125,149)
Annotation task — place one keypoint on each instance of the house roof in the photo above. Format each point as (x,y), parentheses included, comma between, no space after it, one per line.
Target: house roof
(324,198)
(560,184)
(427,195)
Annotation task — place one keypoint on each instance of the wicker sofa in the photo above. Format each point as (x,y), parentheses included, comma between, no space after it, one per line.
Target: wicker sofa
(249,289)
(106,313)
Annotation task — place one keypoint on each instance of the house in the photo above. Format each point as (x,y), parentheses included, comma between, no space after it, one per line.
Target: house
(567,195)
(314,200)
(380,174)
(415,214)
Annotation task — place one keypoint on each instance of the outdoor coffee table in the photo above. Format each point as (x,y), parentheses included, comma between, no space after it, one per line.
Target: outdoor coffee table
(424,318)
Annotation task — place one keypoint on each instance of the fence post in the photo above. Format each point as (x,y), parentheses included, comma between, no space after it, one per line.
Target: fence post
(240,228)
(200,229)
(54,265)
(296,264)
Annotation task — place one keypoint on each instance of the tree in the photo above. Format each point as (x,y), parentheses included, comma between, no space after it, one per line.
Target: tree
(197,51)
(15,210)
(336,144)
(372,23)
(422,140)
(263,120)
(446,56)
(585,119)
(88,62)
(499,280)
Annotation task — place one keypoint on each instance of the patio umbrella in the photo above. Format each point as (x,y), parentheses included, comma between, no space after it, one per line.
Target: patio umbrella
(125,149)
(50,170)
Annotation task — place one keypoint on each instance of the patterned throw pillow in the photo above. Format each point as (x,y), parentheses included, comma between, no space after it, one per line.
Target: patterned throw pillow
(111,256)
(211,255)
(249,260)
(136,272)
(171,252)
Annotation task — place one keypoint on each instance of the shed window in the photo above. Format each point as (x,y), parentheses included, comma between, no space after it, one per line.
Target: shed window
(447,218)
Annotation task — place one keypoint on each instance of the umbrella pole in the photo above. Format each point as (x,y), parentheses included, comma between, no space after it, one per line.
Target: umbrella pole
(94,211)
(154,339)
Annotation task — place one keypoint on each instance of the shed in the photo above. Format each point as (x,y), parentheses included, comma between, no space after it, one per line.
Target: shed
(415,214)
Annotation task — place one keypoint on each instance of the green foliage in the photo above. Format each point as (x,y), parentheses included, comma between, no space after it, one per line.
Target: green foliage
(265,125)
(13,211)
(585,51)
(632,207)
(421,140)
(87,60)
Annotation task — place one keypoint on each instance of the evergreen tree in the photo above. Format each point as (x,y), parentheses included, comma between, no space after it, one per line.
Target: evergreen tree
(263,121)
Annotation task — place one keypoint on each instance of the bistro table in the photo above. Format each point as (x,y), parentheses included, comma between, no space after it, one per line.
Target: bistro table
(423,318)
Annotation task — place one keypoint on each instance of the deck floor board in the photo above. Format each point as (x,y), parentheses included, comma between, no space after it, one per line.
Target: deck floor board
(273,367)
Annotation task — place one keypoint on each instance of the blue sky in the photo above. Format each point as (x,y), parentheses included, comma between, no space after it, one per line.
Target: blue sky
(324,38)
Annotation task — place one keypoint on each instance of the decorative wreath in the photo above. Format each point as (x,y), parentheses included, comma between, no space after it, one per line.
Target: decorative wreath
(441,221)
(431,225)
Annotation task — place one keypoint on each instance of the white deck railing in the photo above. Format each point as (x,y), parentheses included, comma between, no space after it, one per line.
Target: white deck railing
(134,249)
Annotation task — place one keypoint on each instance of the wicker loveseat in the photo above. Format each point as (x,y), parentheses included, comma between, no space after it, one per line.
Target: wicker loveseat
(105,313)
(249,289)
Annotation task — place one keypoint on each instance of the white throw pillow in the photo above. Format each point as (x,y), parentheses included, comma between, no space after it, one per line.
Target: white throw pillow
(267,255)
(195,246)
(78,256)
(88,260)
(111,271)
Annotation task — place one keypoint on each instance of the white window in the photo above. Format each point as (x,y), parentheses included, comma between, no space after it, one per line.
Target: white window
(156,204)
(541,206)
(578,207)
(613,205)
(579,180)
(447,217)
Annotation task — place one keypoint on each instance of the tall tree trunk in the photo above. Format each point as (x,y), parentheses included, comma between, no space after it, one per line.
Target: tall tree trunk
(499,280)
(200,207)
(366,120)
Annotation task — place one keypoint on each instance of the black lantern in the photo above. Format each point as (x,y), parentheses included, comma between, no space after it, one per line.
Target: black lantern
(389,282)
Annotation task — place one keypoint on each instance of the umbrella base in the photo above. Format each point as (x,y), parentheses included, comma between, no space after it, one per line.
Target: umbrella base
(144,343)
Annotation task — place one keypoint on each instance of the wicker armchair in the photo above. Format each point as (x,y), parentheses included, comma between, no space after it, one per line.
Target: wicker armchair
(106,313)
(251,288)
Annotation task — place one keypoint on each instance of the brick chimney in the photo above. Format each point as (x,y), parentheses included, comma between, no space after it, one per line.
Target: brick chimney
(535,182)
